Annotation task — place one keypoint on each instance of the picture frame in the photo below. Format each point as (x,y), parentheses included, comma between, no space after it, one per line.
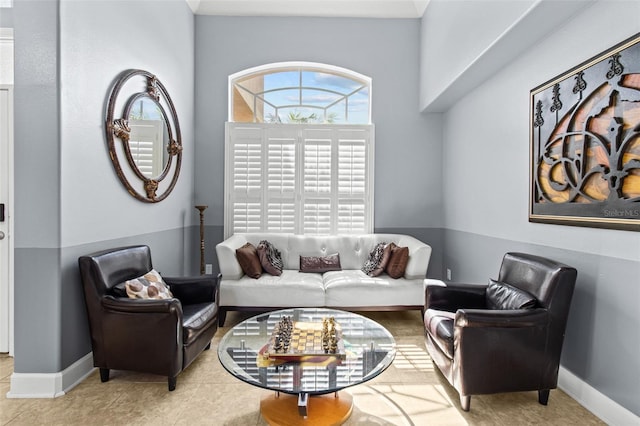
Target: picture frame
(585,143)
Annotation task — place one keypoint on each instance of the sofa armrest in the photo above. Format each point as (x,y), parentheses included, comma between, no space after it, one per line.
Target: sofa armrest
(453,296)
(501,318)
(419,256)
(192,290)
(227,260)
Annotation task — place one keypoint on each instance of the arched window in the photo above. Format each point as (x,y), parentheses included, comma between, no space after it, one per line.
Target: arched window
(299,150)
(300,92)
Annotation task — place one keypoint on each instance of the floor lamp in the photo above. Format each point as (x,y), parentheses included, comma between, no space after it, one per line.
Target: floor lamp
(201,209)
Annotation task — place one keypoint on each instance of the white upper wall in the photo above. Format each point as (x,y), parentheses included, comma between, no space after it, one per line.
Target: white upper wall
(453,38)
(463,43)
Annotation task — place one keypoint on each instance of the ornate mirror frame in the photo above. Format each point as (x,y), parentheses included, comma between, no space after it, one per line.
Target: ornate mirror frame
(119,127)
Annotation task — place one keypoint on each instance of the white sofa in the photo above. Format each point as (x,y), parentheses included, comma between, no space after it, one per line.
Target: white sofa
(349,288)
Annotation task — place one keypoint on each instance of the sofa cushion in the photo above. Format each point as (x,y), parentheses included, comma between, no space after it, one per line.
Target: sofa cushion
(148,286)
(270,258)
(439,325)
(292,288)
(320,264)
(249,261)
(397,262)
(504,296)
(352,287)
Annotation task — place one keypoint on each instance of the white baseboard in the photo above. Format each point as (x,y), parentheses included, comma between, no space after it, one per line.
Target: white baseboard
(593,400)
(50,385)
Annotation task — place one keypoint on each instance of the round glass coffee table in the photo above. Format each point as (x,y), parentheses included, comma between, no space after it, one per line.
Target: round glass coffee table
(307,388)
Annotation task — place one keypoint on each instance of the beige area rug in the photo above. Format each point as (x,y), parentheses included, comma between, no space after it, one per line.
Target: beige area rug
(410,392)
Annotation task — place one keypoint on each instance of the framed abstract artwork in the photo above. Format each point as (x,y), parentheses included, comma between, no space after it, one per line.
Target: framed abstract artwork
(585,143)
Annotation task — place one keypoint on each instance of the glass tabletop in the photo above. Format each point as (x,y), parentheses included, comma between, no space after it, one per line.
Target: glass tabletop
(368,350)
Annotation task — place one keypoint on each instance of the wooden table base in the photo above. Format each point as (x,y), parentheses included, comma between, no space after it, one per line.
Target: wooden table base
(322,410)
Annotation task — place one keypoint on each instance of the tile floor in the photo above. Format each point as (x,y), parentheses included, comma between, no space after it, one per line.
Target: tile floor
(410,392)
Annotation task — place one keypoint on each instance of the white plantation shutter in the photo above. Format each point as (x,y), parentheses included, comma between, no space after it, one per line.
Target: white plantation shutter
(317,217)
(298,178)
(247,217)
(317,167)
(351,217)
(247,168)
(281,216)
(243,208)
(281,167)
(351,168)
(281,180)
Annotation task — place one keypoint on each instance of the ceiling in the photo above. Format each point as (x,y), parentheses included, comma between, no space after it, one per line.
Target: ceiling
(322,8)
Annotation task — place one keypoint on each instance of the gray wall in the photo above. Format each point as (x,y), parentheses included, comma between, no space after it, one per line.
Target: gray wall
(486,187)
(68,198)
(408,149)
(37,345)
(6,18)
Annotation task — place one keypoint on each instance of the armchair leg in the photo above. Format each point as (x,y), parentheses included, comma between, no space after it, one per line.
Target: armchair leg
(104,375)
(543,396)
(465,402)
(172,383)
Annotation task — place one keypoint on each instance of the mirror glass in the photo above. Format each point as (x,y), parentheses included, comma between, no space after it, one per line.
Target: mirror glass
(149,137)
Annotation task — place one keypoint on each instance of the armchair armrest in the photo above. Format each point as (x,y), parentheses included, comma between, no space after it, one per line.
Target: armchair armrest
(151,328)
(452,296)
(127,305)
(494,347)
(192,290)
(501,318)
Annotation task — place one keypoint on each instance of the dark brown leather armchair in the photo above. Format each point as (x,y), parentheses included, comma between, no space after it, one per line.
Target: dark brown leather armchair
(151,336)
(503,337)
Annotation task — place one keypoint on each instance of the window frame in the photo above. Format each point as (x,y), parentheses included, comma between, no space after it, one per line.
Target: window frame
(299,66)
(345,154)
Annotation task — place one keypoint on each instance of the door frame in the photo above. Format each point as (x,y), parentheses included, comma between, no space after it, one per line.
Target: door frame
(6,197)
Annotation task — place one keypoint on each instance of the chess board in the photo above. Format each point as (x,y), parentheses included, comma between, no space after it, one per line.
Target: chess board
(305,344)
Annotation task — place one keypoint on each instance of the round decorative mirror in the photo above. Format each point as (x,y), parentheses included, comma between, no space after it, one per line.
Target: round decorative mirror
(149,133)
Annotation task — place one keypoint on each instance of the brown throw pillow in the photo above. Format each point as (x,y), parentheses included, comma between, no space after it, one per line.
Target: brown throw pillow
(270,258)
(249,260)
(398,261)
(384,260)
(320,264)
